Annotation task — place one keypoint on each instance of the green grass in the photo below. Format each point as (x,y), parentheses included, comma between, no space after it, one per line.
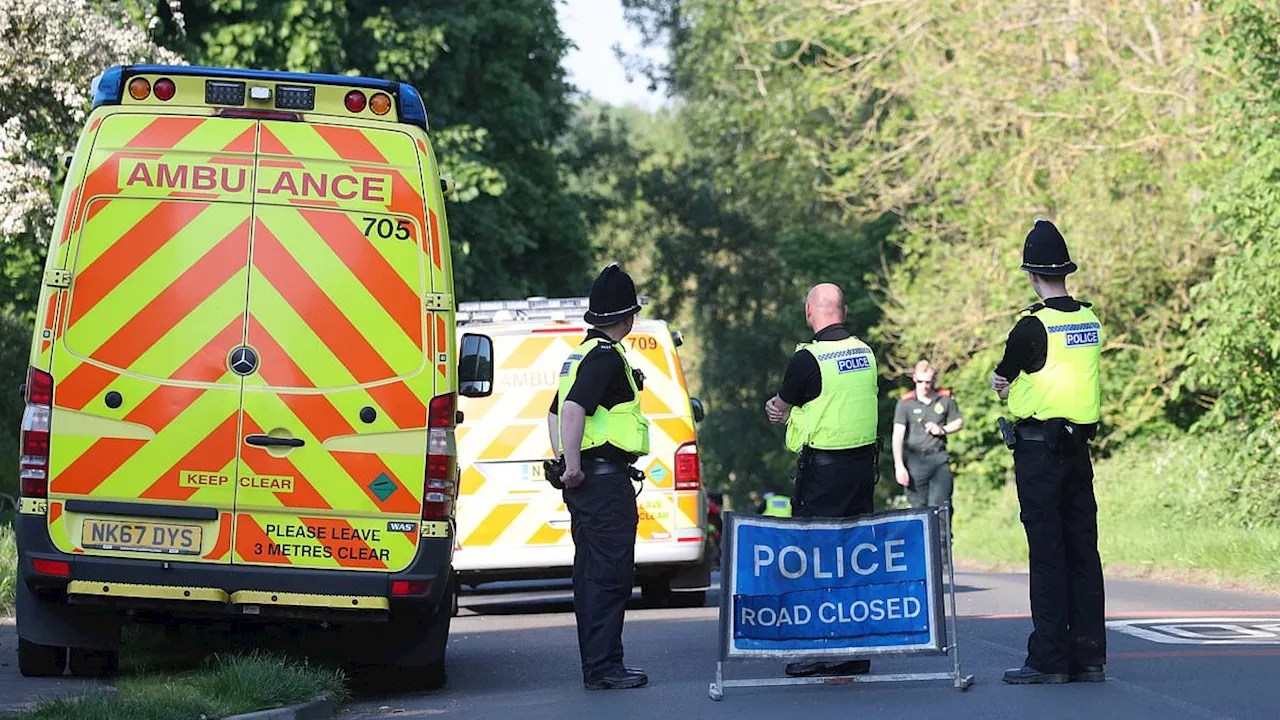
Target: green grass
(1165,510)
(228,685)
(8,567)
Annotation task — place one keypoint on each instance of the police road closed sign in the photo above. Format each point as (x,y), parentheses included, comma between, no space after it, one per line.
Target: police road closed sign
(849,587)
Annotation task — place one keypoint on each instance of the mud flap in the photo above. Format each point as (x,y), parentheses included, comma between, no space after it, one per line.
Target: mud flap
(56,623)
(693,578)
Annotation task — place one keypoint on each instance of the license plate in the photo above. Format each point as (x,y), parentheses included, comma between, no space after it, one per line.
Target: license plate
(141,536)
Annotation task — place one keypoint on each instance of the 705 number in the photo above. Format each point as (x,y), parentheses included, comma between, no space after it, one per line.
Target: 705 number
(386,229)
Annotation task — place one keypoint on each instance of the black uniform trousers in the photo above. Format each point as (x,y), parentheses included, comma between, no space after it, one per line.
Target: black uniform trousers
(1060,515)
(839,483)
(604,519)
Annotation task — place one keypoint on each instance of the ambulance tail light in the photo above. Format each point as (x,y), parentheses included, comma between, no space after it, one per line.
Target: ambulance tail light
(688,473)
(442,459)
(35,434)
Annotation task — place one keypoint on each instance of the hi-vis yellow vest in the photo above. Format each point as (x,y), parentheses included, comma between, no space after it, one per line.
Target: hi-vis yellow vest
(777,506)
(843,415)
(622,426)
(1069,385)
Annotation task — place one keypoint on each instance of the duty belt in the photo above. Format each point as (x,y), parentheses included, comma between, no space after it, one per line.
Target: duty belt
(600,466)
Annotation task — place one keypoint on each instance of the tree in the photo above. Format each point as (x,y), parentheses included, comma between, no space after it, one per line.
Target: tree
(496,96)
(50,53)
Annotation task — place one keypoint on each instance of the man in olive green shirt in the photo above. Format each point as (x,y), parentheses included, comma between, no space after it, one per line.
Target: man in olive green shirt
(921,423)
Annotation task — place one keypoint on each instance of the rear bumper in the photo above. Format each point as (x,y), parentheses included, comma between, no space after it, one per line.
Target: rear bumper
(556,561)
(220,590)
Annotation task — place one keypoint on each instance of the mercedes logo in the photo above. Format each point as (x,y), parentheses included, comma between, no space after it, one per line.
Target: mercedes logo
(243,361)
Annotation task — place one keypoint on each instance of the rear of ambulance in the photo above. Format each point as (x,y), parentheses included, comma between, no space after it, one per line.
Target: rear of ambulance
(242,396)
(511,523)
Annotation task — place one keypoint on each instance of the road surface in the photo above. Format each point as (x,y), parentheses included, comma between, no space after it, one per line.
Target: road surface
(513,654)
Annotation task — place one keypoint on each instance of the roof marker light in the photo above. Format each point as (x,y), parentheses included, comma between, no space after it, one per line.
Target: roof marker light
(139,88)
(355,101)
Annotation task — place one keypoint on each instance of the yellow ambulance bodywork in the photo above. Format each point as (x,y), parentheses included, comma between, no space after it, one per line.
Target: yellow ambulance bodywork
(247,314)
(512,523)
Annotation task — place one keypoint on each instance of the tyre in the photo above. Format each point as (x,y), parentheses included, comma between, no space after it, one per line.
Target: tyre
(93,663)
(688,599)
(656,592)
(40,660)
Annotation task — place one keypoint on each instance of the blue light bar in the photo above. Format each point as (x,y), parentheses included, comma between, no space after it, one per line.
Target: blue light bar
(109,87)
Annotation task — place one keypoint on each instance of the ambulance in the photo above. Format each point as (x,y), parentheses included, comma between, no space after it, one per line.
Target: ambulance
(242,394)
(512,524)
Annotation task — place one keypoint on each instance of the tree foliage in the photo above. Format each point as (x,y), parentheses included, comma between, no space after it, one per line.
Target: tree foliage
(496,96)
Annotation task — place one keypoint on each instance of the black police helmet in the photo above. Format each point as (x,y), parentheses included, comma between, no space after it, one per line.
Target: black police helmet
(613,298)
(1045,251)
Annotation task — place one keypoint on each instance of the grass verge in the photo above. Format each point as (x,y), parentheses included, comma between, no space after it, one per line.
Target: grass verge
(8,567)
(1161,515)
(228,685)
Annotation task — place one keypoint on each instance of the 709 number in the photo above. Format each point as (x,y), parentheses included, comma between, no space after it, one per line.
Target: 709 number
(386,229)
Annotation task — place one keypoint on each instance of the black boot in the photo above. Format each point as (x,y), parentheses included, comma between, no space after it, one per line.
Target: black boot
(1027,675)
(624,679)
(1088,673)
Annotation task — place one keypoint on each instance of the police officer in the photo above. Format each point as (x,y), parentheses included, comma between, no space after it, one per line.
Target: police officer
(1049,376)
(776,505)
(828,401)
(596,422)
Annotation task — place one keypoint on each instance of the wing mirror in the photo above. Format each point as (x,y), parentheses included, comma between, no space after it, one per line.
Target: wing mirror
(446,186)
(699,412)
(475,366)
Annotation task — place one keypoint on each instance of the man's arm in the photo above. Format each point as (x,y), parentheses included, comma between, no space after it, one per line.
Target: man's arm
(573,421)
(553,429)
(801,383)
(956,421)
(1024,351)
(899,462)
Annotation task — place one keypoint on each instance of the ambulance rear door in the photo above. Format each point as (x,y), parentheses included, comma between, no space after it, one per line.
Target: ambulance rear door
(339,349)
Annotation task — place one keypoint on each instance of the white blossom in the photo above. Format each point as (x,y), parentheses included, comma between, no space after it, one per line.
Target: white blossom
(50,51)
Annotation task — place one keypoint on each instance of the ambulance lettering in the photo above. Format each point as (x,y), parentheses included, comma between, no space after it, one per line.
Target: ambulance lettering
(307,185)
(176,176)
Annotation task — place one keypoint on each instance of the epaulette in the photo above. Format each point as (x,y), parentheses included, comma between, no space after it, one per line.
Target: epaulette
(944,392)
(1086,304)
(1031,309)
(908,395)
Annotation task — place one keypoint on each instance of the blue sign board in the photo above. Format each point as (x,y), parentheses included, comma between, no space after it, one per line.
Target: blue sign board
(826,587)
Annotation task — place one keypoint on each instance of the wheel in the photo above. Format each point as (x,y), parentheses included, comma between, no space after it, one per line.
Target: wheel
(457,590)
(93,663)
(434,676)
(656,591)
(40,660)
(688,599)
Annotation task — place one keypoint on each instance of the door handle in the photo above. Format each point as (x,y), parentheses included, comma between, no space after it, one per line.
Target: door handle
(268,441)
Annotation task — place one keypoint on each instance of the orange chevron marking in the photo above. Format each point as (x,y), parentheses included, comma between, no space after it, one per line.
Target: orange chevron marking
(68,220)
(94,466)
(82,386)
(269,144)
(167,402)
(164,311)
(55,512)
(435,238)
(494,524)
(248,535)
(213,452)
(350,144)
(372,270)
(246,143)
(223,545)
(363,468)
(164,132)
(134,247)
(316,309)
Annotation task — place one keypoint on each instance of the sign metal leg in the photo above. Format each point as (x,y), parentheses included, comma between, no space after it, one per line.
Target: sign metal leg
(962,681)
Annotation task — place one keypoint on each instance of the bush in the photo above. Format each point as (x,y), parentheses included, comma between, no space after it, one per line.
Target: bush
(15,345)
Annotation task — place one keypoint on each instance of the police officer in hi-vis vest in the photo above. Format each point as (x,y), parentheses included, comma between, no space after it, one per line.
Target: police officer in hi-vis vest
(596,423)
(1049,376)
(828,401)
